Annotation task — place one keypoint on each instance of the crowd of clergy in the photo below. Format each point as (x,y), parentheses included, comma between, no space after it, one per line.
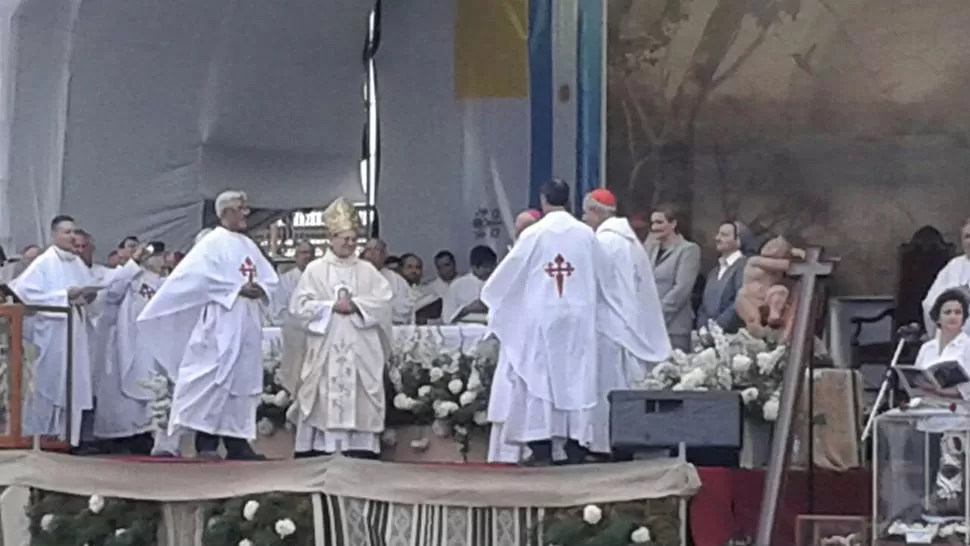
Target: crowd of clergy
(580,307)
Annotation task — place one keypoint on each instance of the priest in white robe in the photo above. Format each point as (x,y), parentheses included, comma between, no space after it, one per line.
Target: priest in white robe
(336,346)
(956,274)
(542,302)
(633,336)
(445,265)
(403,299)
(204,328)
(462,302)
(304,252)
(121,413)
(58,277)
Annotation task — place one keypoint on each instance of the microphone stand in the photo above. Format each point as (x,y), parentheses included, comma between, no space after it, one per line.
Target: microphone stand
(887,380)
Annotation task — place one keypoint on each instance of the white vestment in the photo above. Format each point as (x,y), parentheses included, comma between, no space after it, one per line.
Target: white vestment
(46,281)
(334,363)
(403,301)
(956,274)
(463,291)
(958,349)
(542,302)
(120,412)
(284,293)
(633,335)
(437,286)
(208,338)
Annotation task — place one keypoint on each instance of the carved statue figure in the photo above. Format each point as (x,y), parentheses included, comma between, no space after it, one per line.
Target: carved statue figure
(763,295)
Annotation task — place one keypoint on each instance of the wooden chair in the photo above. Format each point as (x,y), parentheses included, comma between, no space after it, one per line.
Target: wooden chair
(919,261)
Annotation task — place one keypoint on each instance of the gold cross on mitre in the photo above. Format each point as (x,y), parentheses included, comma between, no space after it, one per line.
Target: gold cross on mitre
(341,216)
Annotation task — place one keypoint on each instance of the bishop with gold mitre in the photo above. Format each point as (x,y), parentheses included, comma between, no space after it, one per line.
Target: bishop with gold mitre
(335,344)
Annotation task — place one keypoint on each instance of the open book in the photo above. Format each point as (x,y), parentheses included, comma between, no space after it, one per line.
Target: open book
(945,374)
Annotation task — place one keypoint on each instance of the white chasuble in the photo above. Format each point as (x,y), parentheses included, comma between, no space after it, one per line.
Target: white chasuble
(46,281)
(117,414)
(542,301)
(633,335)
(333,364)
(956,274)
(462,292)
(208,339)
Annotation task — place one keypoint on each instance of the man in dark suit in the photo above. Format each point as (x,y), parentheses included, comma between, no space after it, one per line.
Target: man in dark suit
(724,281)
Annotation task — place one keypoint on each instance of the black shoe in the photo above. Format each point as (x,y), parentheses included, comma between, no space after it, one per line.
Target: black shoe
(575,453)
(312,454)
(541,454)
(87,449)
(238,449)
(361,454)
(139,444)
(207,446)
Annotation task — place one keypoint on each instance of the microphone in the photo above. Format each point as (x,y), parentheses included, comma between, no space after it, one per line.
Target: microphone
(909,332)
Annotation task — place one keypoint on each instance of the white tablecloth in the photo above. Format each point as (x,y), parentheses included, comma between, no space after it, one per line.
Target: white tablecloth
(462,336)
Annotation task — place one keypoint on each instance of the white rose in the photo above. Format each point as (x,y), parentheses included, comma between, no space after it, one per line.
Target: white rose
(770,409)
(467,397)
(441,409)
(640,536)
(250,509)
(441,429)
(592,514)
(749,395)
(245,542)
(119,532)
(281,399)
(267,398)
(455,386)
(420,444)
(436,374)
(424,391)
(741,363)
(265,427)
(46,522)
(401,401)
(96,504)
(481,418)
(285,527)
(389,437)
(461,430)
(449,407)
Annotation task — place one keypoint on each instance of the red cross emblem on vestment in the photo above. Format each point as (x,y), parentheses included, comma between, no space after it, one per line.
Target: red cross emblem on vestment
(146,291)
(248,269)
(559,269)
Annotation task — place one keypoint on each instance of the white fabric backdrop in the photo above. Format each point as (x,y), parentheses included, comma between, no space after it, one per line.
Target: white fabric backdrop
(438,153)
(128,113)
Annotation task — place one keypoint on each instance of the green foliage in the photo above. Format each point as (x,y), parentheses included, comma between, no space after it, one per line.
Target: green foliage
(227,526)
(567,527)
(120,523)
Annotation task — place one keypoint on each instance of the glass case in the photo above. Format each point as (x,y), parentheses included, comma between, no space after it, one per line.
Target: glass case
(920,479)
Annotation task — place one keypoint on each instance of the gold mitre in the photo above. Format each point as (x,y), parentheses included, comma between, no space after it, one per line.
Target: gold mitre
(341,216)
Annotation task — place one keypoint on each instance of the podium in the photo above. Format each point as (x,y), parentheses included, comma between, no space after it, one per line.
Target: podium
(16,374)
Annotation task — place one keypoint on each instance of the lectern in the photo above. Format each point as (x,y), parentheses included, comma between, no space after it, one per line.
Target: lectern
(16,372)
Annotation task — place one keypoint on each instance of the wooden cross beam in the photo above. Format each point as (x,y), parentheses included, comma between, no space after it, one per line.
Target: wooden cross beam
(807,271)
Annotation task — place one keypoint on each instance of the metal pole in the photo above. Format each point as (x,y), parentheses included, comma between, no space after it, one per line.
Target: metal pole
(69,396)
(789,397)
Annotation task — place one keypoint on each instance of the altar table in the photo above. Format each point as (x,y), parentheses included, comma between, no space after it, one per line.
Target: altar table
(459,336)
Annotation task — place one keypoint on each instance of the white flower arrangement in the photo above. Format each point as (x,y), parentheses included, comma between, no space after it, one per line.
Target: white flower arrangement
(96,504)
(445,389)
(592,514)
(250,509)
(721,361)
(285,527)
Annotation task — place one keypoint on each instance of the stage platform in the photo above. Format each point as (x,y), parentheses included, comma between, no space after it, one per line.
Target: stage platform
(354,498)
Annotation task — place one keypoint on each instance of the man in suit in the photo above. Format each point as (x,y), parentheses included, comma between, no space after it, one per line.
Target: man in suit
(724,281)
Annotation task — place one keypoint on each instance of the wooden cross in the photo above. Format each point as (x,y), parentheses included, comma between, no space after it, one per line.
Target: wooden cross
(248,269)
(807,271)
(559,271)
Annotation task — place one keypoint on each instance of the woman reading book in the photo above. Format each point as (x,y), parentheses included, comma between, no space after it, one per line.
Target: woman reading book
(951,344)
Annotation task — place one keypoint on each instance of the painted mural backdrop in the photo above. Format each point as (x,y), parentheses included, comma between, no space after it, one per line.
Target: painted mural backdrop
(845,123)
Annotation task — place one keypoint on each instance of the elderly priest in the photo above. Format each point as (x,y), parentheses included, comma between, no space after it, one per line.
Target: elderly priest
(203,327)
(335,347)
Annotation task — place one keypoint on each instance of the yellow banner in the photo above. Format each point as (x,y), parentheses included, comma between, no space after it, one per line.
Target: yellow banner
(491,49)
